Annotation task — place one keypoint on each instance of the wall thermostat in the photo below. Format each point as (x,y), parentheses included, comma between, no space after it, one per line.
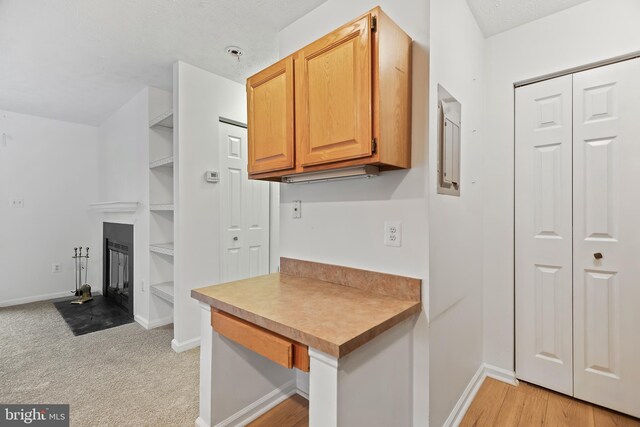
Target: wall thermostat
(212,176)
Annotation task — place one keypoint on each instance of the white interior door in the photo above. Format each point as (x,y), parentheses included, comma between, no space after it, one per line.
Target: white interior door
(606,209)
(543,261)
(245,210)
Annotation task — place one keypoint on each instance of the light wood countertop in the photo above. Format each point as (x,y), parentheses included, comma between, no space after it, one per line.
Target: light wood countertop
(329,317)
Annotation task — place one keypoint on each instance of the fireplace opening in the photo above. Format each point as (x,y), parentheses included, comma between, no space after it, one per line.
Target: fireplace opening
(118,264)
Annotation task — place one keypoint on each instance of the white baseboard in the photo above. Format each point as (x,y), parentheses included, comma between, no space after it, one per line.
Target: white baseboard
(145,323)
(179,347)
(36,298)
(485,370)
(259,407)
(457,414)
(163,322)
(302,383)
(302,393)
(500,374)
(142,321)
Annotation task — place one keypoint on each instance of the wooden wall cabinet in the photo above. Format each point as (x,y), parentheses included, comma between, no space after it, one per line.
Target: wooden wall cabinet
(343,100)
(271,118)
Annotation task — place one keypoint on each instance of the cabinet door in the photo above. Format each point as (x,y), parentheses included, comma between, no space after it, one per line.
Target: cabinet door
(333,96)
(270,117)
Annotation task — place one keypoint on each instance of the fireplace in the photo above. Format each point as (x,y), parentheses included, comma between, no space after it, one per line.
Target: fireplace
(117,263)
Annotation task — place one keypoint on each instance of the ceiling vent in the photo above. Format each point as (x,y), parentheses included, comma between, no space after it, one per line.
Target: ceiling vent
(235,52)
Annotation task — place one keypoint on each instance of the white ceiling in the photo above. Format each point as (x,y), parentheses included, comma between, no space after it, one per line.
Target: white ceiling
(496,16)
(80,60)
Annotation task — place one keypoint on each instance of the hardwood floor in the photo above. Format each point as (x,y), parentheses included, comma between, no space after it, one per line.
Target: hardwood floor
(496,405)
(499,404)
(293,412)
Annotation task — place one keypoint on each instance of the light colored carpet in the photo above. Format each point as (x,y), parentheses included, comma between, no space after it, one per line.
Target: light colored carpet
(124,376)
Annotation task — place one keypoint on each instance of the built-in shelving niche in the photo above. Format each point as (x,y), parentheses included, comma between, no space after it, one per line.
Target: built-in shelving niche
(164,120)
(161,208)
(164,291)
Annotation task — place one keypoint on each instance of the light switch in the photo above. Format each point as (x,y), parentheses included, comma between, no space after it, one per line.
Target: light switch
(297,209)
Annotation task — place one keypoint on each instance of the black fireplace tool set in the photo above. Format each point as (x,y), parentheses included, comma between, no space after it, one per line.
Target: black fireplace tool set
(83,290)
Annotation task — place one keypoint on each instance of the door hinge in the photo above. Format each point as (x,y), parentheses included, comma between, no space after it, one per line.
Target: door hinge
(374,24)
(374,146)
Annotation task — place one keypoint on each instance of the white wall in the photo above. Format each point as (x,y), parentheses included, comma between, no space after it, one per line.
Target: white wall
(201,98)
(586,33)
(124,164)
(53,166)
(342,222)
(124,176)
(455,223)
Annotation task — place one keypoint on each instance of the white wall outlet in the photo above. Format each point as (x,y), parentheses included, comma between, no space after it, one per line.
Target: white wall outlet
(393,233)
(56,268)
(297,209)
(16,202)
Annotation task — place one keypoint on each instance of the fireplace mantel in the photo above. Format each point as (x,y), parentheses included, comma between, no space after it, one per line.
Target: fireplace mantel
(115,206)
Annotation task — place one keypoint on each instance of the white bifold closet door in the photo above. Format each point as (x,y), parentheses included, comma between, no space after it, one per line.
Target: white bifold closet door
(606,221)
(578,235)
(544,347)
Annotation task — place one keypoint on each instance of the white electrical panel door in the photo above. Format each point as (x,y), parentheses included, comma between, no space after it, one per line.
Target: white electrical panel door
(244,210)
(543,234)
(451,153)
(606,206)
(449,111)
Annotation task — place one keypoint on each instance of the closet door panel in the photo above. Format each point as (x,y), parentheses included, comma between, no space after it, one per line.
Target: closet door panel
(543,234)
(606,205)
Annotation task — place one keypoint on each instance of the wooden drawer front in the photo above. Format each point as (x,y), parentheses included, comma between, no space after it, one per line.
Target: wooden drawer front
(301,357)
(274,347)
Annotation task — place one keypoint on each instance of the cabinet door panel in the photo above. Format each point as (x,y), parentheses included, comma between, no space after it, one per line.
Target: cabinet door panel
(333,96)
(271,116)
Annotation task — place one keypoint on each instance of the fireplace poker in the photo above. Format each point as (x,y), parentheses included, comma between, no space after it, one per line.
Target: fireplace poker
(86,268)
(75,259)
(79,270)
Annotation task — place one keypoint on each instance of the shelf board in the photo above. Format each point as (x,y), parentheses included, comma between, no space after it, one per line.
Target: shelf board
(164,120)
(115,206)
(163,290)
(167,162)
(161,207)
(162,248)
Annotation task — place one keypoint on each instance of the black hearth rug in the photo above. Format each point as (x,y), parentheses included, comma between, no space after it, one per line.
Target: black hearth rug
(92,316)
